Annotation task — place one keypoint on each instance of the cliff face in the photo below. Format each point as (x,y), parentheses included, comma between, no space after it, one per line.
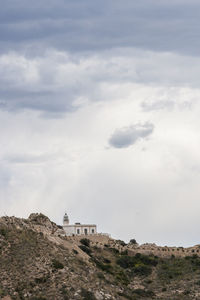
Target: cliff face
(38,262)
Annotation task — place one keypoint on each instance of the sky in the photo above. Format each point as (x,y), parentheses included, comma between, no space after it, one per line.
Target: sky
(99,114)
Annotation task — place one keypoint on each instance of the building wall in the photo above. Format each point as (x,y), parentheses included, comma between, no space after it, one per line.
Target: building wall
(79,229)
(69,229)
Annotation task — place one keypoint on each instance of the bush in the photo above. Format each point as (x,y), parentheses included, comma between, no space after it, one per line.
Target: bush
(122,277)
(85,249)
(144,293)
(75,251)
(114,250)
(106,260)
(85,242)
(122,243)
(142,270)
(126,261)
(133,241)
(104,267)
(138,264)
(87,295)
(56,264)
(100,275)
(3,232)
(40,279)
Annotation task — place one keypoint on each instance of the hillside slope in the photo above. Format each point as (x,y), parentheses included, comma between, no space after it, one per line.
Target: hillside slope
(38,262)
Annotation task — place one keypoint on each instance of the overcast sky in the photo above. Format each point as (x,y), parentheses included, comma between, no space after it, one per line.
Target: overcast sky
(99,111)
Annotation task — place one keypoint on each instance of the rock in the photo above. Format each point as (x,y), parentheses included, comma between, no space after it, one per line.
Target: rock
(98,295)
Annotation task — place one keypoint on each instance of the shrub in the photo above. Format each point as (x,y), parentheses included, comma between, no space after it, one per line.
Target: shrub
(100,275)
(186,292)
(114,250)
(122,243)
(104,267)
(85,242)
(133,241)
(87,295)
(124,252)
(85,249)
(144,293)
(57,264)
(142,270)
(121,276)
(3,232)
(75,251)
(106,260)
(40,279)
(126,261)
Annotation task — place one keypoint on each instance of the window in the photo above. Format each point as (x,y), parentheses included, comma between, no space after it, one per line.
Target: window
(86,231)
(78,231)
(92,230)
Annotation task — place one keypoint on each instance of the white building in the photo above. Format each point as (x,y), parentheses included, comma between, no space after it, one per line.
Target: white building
(78,228)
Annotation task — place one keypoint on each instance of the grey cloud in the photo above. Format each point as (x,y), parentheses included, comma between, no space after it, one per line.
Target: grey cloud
(157,105)
(54,83)
(91,25)
(29,158)
(52,103)
(127,136)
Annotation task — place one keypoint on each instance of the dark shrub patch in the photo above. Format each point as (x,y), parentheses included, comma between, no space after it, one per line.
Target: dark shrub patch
(57,264)
(85,249)
(100,275)
(133,242)
(138,264)
(87,295)
(104,267)
(75,251)
(122,243)
(142,270)
(114,250)
(143,293)
(85,242)
(106,260)
(122,277)
(40,279)
(126,261)
(4,232)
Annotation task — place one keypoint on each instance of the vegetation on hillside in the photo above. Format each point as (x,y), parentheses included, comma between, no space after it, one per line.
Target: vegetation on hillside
(35,267)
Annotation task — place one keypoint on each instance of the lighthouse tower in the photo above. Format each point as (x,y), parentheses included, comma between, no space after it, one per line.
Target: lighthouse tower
(65,219)
(78,228)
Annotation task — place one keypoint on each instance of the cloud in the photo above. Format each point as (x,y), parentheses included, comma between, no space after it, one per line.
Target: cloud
(88,26)
(66,68)
(127,136)
(29,158)
(58,82)
(157,105)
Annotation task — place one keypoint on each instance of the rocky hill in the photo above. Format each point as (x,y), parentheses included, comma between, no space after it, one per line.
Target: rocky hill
(38,262)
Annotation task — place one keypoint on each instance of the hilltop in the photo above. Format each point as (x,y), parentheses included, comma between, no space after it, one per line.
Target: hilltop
(38,262)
